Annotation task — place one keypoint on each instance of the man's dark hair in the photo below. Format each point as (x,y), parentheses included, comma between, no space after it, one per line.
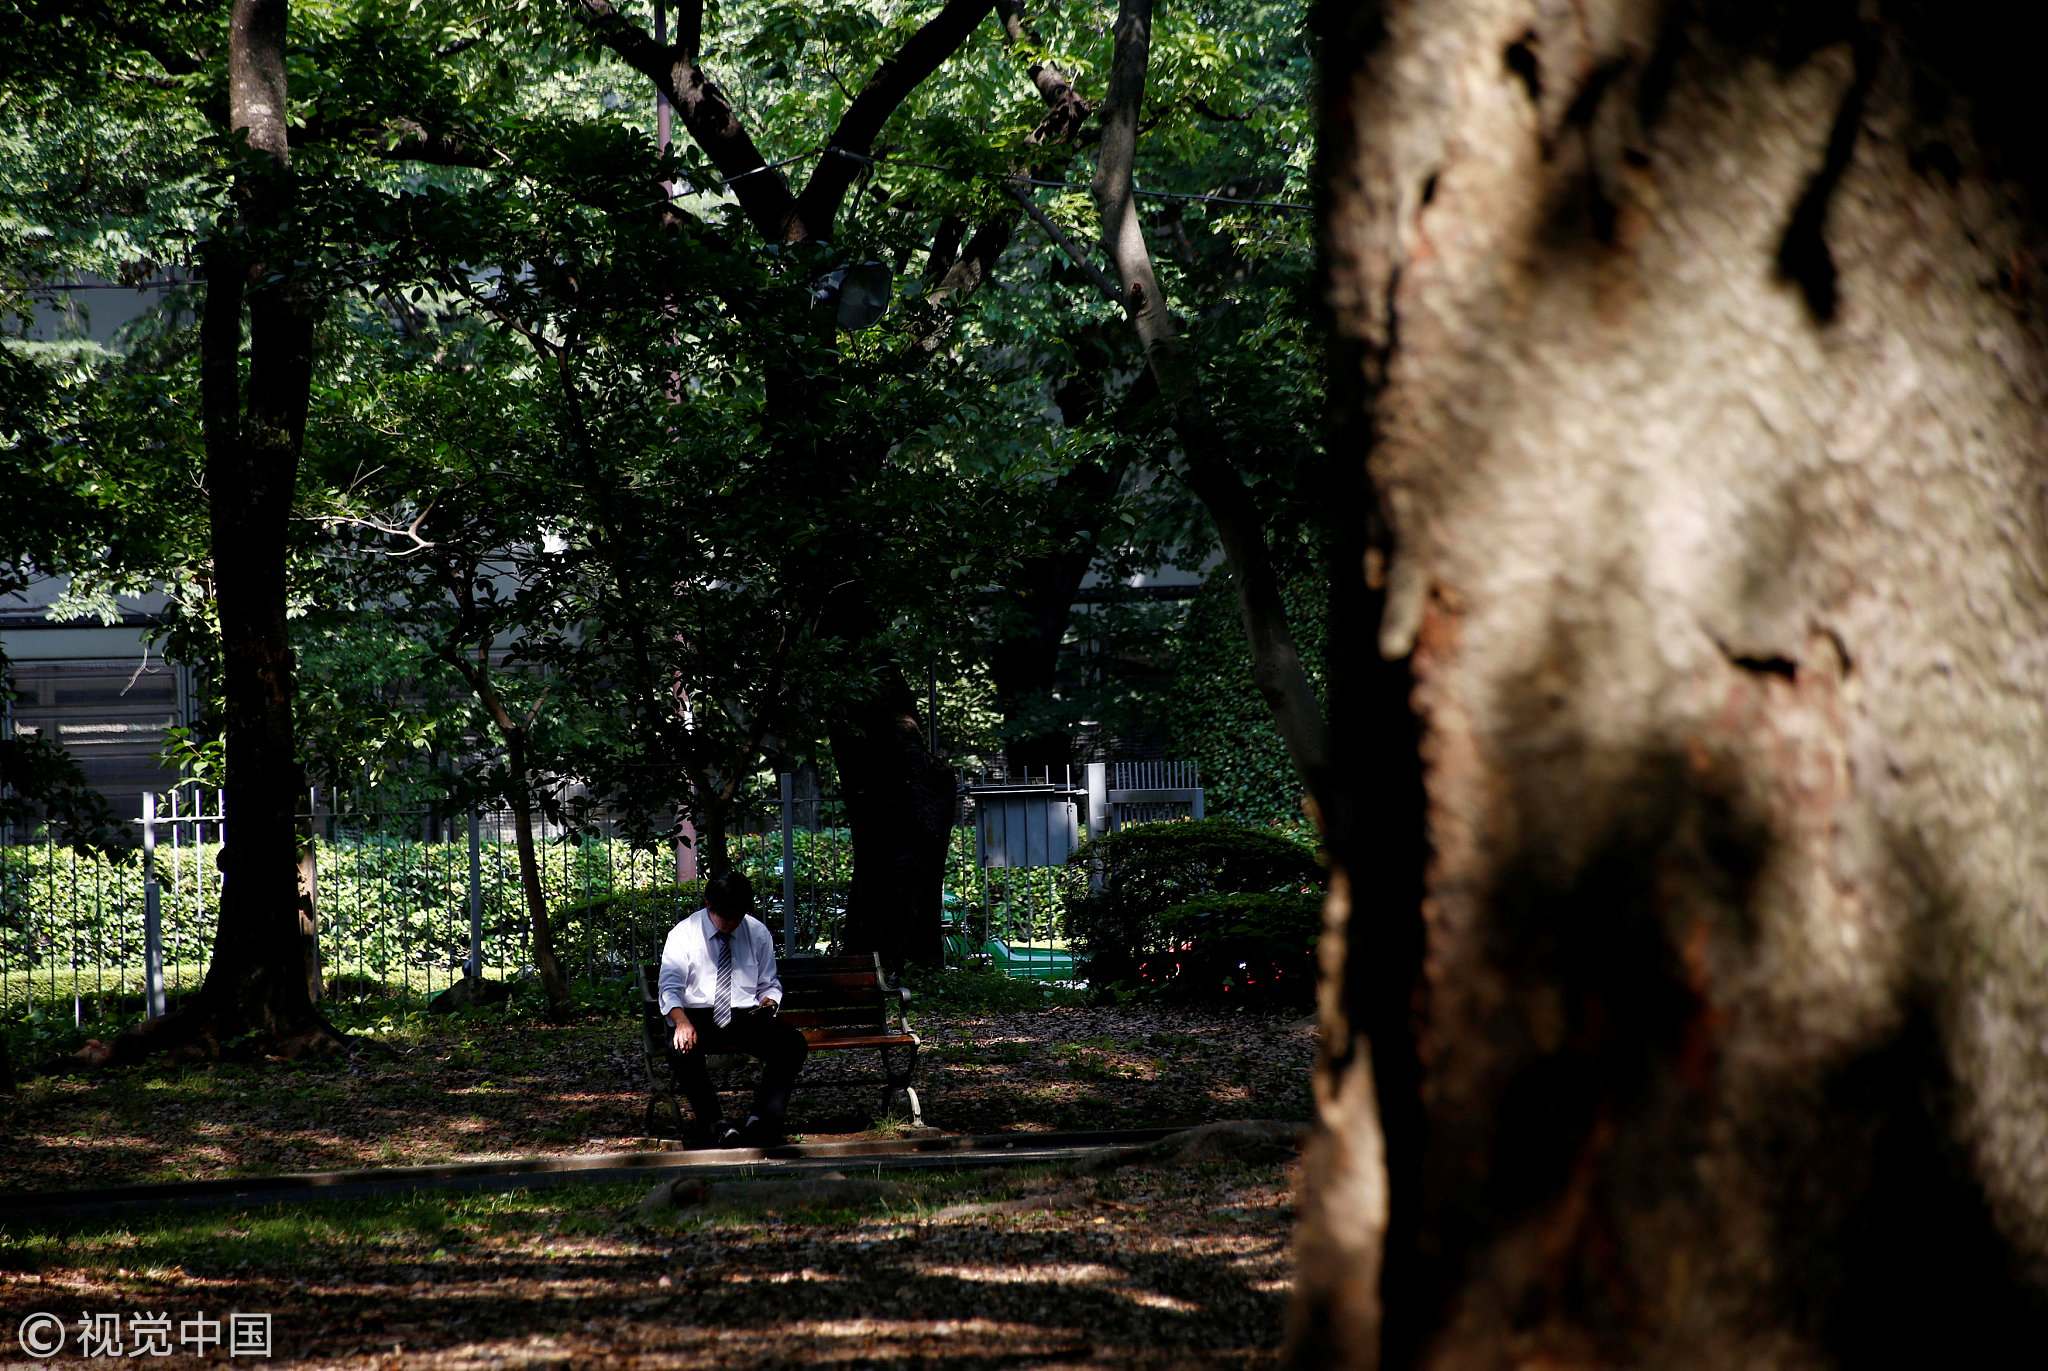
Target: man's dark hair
(731,894)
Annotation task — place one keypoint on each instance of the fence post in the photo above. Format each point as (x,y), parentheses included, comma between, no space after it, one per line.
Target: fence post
(785,785)
(474,967)
(1098,814)
(152,913)
(1098,799)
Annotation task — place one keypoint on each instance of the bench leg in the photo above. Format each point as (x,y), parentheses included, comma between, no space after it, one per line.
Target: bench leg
(900,1093)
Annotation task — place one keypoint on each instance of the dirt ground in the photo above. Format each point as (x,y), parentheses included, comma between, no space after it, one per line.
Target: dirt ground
(474,1088)
(1182,1266)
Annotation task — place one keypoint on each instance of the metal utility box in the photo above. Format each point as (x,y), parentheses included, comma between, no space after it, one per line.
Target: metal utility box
(1027,825)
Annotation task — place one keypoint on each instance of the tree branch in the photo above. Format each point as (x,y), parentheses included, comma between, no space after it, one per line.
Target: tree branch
(921,55)
(411,531)
(1066,244)
(402,139)
(690,28)
(1276,663)
(256,76)
(1065,113)
(706,113)
(459,46)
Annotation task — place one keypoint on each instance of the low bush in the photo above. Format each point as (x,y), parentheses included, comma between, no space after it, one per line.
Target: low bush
(610,932)
(1238,948)
(1148,869)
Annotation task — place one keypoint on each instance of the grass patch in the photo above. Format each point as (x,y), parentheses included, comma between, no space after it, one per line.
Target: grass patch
(425,1226)
(305,1238)
(981,990)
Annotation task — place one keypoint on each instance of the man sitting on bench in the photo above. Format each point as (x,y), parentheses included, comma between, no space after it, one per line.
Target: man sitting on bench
(720,993)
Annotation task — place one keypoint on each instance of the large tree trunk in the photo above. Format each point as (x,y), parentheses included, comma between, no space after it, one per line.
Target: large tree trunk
(259,975)
(712,831)
(899,803)
(1702,365)
(1024,662)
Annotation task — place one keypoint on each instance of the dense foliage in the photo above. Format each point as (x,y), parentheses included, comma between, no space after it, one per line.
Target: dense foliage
(1148,869)
(599,482)
(1216,715)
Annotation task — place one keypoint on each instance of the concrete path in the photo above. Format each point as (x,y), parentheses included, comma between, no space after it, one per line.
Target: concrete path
(524,1173)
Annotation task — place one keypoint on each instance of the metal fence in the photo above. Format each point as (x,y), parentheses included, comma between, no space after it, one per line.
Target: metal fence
(1011,910)
(409,900)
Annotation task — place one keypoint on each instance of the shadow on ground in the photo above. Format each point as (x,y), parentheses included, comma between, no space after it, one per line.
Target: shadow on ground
(479,1087)
(1142,1267)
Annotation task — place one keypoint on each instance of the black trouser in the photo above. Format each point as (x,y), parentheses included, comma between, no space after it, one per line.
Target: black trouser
(779,1047)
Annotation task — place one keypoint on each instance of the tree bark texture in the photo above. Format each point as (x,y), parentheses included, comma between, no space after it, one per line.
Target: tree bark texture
(1696,356)
(261,967)
(520,796)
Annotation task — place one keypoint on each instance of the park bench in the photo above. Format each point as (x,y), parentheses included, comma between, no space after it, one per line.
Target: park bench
(840,1003)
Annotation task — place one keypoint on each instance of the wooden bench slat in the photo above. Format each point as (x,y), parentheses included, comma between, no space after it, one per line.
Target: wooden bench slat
(839,982)
(828,1037)
(815,1017)
(827,966)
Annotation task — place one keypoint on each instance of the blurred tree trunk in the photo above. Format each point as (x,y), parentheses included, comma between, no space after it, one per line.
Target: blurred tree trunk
(1697,358)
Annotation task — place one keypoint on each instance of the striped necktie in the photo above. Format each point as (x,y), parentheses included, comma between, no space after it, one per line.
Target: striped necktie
(721,1006)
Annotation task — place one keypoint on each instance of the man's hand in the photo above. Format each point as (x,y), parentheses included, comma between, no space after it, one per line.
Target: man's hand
(686,1034)
(772,1006)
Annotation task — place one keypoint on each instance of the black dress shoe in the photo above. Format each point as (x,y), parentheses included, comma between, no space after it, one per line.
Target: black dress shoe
(761,1133)
(718,1134)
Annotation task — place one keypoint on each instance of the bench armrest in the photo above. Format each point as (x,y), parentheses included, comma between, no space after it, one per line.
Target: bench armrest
(896,993)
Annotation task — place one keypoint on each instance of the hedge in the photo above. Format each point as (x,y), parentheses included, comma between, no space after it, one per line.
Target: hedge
(1148,870)
(1248,948)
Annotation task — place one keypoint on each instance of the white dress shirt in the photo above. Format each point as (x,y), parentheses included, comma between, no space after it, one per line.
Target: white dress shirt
(689,964)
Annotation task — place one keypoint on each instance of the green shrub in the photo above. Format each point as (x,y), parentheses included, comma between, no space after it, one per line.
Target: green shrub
(1148,869)
(1239,948)
(612,932)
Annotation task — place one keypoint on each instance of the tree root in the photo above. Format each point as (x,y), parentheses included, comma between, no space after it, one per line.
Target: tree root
(202,1031)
